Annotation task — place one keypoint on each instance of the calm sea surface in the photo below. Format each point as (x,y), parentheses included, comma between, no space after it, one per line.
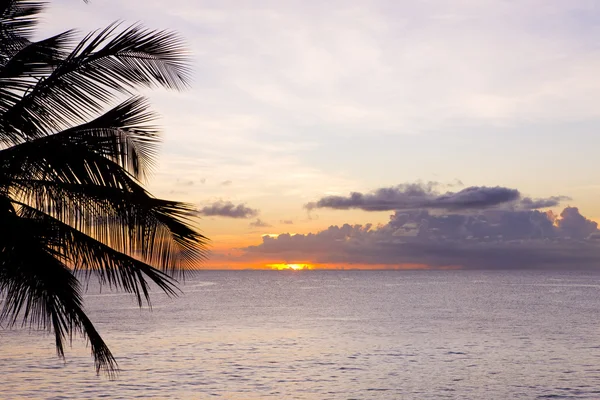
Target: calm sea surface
(332,335)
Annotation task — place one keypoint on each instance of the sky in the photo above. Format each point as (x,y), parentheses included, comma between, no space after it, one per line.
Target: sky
(379,134)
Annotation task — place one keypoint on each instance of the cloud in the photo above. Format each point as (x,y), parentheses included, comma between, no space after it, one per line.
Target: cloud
(228,209)
(438,69)
(226,183)
(456,183)
(532,204)
(259,224)
(287,222)
(594,236)
(187,182)
(490,239)
(572,224)
(410,196)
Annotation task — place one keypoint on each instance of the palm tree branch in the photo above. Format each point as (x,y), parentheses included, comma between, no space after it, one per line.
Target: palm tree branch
(18,19)
(37,59)
(70,194)
(88,255)
(101,66)
(22,72)
(38,287)
(47,163)
(158,231)
(123,135)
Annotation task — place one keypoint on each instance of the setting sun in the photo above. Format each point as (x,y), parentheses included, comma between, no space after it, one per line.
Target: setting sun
(295,267)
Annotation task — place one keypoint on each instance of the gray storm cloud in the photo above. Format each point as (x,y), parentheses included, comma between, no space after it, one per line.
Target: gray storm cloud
(412,196)
(490,239)
(228,209)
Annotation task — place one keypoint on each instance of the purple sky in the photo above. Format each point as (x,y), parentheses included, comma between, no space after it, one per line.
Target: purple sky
(489,107)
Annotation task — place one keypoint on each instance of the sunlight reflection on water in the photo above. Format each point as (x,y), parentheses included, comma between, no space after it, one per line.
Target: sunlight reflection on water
(332,335)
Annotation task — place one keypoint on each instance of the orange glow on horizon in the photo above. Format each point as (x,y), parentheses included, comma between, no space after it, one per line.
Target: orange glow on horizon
(294,267)
(227,253)
(277,265)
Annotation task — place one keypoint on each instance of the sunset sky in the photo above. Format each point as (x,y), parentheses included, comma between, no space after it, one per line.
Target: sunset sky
(468,130)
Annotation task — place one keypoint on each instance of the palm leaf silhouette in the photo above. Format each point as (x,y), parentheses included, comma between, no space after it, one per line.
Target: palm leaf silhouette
(71,173)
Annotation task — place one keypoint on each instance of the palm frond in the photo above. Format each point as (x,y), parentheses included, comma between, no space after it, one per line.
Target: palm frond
(103,65)
(23,70)
(40,288)
(18,19)
(123,135)
(37,59)
(64,176)
(70,193)
(157,231)
(94,258)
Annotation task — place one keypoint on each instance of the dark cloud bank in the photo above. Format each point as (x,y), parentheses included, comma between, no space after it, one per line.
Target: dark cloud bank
(424,196)
(475,228)
(228,209)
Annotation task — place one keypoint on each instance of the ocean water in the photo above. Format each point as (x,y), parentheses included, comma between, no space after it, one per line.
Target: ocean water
(331,335)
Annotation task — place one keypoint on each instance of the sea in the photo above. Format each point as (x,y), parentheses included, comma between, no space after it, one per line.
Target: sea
(330,335)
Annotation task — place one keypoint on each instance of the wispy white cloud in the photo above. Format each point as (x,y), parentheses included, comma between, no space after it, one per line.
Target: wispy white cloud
(395,66)
(280,86)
